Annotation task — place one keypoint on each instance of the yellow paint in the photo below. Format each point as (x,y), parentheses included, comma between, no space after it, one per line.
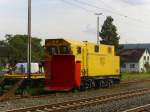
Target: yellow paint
(101,63)
(21,76)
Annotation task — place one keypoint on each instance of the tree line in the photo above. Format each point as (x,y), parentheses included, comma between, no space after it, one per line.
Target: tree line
(14,48)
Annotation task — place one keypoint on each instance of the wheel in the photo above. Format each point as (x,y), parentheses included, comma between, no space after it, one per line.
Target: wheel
(101,84)
(96,82)
(93,84)
(87,84)
(110,83)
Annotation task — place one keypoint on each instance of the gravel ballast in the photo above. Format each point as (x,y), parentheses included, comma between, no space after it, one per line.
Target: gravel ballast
(117,106)
(61,97)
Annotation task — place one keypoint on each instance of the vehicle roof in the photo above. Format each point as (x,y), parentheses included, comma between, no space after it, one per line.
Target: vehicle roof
(70,41)
(76,42)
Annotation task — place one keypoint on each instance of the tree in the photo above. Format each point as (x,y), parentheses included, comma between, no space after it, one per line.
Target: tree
(17,45)
(109,33)
(4,53)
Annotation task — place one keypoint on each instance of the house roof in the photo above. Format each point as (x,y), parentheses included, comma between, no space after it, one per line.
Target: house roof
(132,55)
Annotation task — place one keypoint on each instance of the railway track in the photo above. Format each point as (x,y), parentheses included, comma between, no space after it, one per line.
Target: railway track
(7,96)
(64,106)
(144,108)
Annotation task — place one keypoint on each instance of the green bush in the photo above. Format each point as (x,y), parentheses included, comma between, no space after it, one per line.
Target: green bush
(1,68)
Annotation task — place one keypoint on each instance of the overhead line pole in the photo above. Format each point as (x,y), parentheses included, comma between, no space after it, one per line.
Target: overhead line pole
(98,41)
(29,40)
(97,29)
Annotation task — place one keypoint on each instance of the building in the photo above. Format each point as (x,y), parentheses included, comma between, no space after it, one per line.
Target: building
(138,45)
(135,60)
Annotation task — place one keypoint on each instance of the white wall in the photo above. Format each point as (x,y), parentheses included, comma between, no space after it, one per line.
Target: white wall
(143,61)
(34,67)
(139,66)
(129,69)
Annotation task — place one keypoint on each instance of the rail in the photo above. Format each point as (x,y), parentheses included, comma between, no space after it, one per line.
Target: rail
(65,106)
(43,96)
(144,108)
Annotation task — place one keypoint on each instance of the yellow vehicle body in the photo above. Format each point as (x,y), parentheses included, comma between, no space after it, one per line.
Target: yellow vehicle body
(96,59)
(24,76)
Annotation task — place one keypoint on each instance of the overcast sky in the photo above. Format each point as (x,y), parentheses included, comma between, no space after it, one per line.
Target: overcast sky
(75,19)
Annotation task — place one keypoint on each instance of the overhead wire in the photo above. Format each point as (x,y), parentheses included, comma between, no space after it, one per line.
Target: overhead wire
(106,5)
(97,7)
(91,11)
(83,8)
(79,5)
(113,12)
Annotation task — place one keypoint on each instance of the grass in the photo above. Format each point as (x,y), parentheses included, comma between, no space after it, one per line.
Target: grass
(135,76)
(1,68)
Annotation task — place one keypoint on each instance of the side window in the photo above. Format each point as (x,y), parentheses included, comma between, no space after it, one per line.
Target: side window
(52,50)
(109,50)
(144,57)
(78,50)
(64,50)
(124,65)
(132,65)
(96,48)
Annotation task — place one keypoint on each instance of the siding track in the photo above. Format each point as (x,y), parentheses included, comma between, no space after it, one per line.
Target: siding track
(43,96)
(65,106)
(144,108)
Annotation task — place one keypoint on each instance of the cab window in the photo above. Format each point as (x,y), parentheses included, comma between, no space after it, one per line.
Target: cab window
(96,48)
(52,50)
(78,50)
(64,50)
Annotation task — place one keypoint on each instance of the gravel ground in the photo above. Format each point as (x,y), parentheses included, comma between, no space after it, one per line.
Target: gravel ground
(60,97)
(117,106)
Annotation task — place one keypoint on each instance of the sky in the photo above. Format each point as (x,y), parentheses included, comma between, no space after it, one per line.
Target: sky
(75,19)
